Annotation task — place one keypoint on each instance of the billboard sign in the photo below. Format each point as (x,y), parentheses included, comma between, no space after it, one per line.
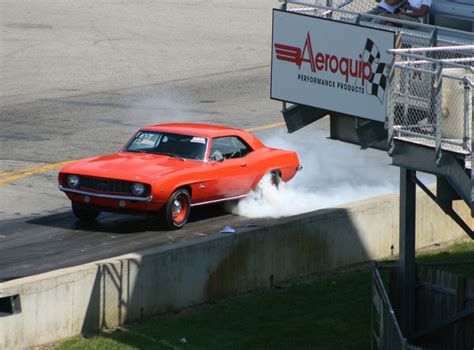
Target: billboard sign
(331,65)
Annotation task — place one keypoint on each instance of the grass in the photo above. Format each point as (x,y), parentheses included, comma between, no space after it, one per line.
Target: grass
(457,252)
(332,311)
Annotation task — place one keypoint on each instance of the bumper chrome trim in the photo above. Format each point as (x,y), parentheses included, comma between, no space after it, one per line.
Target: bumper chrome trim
(109,196)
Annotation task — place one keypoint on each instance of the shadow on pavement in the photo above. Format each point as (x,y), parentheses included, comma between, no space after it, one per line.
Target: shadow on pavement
(122,224)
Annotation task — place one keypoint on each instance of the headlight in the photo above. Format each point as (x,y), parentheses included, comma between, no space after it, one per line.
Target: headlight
(138,189)
(73,181)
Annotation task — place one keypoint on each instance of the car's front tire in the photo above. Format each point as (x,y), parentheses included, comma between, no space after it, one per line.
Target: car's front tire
(84,214)
(175,213)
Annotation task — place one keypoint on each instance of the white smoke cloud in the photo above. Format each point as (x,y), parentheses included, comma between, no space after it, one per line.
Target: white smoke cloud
(165,107)
(334,173)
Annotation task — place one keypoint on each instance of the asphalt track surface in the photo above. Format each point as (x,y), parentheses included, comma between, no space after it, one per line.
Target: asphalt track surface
(78,79)
(34,245)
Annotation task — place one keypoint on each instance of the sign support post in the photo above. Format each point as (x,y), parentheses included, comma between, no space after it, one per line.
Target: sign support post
(407,251)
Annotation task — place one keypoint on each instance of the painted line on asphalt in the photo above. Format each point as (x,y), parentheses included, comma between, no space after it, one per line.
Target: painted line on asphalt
(26,172)
(268,126)
(14,175)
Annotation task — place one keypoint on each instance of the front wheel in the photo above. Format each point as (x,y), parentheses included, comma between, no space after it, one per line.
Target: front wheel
(177,209)
(83,213)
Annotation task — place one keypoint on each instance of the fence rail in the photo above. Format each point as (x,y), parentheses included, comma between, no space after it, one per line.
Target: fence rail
(386,333)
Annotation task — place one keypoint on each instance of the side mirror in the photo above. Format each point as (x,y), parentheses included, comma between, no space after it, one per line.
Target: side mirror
(217,156)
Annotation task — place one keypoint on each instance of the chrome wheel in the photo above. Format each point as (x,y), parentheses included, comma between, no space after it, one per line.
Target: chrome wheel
(176,211)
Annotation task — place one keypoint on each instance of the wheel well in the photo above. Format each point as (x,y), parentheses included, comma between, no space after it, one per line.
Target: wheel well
(186,187)
(276,171)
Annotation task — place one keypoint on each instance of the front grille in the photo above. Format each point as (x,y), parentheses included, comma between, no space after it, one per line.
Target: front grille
(105,185)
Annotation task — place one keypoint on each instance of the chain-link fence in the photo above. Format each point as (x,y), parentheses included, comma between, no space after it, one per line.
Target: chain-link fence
(430,97)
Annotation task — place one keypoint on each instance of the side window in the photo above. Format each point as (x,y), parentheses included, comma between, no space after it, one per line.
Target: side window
(230,147)
(243,149)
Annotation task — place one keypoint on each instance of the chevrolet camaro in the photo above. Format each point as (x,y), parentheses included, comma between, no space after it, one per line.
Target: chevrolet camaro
(166,169)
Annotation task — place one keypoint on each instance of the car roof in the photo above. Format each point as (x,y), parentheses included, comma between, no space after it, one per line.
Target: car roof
(205,130)
(193,129)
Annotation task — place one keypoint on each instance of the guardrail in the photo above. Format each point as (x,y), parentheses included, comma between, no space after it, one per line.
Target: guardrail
(431,96)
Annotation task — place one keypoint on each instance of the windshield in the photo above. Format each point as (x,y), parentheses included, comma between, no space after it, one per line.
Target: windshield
(174,145)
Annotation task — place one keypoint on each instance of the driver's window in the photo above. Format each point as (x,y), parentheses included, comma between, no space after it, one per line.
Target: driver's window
(229,147)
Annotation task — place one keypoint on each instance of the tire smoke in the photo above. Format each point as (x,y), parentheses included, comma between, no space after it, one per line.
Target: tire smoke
(334,173)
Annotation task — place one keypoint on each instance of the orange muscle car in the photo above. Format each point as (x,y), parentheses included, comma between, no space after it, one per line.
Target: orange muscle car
(167,169)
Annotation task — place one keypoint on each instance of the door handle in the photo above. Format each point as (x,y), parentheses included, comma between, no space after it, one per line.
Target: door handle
(243,165)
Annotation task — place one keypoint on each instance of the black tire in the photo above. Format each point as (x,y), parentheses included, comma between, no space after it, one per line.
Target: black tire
(83,213)
(175,213)
(276,179)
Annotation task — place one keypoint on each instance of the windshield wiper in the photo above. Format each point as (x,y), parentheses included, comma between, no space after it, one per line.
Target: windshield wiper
(167,154)
(155,152)
(173,155)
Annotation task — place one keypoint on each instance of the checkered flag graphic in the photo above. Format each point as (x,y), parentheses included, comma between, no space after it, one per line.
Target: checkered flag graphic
(377,83)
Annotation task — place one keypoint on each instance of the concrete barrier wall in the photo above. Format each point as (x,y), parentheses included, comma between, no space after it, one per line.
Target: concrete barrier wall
(112,292)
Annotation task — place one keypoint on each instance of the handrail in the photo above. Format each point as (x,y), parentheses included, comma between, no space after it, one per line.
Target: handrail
(435,48)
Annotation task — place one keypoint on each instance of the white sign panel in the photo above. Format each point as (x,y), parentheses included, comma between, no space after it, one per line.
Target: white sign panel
(330,65)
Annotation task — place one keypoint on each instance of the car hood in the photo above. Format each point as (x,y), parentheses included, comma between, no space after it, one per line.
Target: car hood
(131,166)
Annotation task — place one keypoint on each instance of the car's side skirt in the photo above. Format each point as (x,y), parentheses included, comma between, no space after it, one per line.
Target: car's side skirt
(219,200)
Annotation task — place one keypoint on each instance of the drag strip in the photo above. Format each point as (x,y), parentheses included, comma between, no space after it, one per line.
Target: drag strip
(37,245)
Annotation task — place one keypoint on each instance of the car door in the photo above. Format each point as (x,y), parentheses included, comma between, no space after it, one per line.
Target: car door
(230,174)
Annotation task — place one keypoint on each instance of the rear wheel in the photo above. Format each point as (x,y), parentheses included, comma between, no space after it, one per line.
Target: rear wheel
(273,179)
(83,213)
(177,209)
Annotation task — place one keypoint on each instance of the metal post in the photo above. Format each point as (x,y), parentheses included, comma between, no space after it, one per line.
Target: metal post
(467,113)
(329,4)
(407,251)
(438,98)
(470,108)
(460,299)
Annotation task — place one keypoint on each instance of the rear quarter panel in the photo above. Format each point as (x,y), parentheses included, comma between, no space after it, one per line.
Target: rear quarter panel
(272,159)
